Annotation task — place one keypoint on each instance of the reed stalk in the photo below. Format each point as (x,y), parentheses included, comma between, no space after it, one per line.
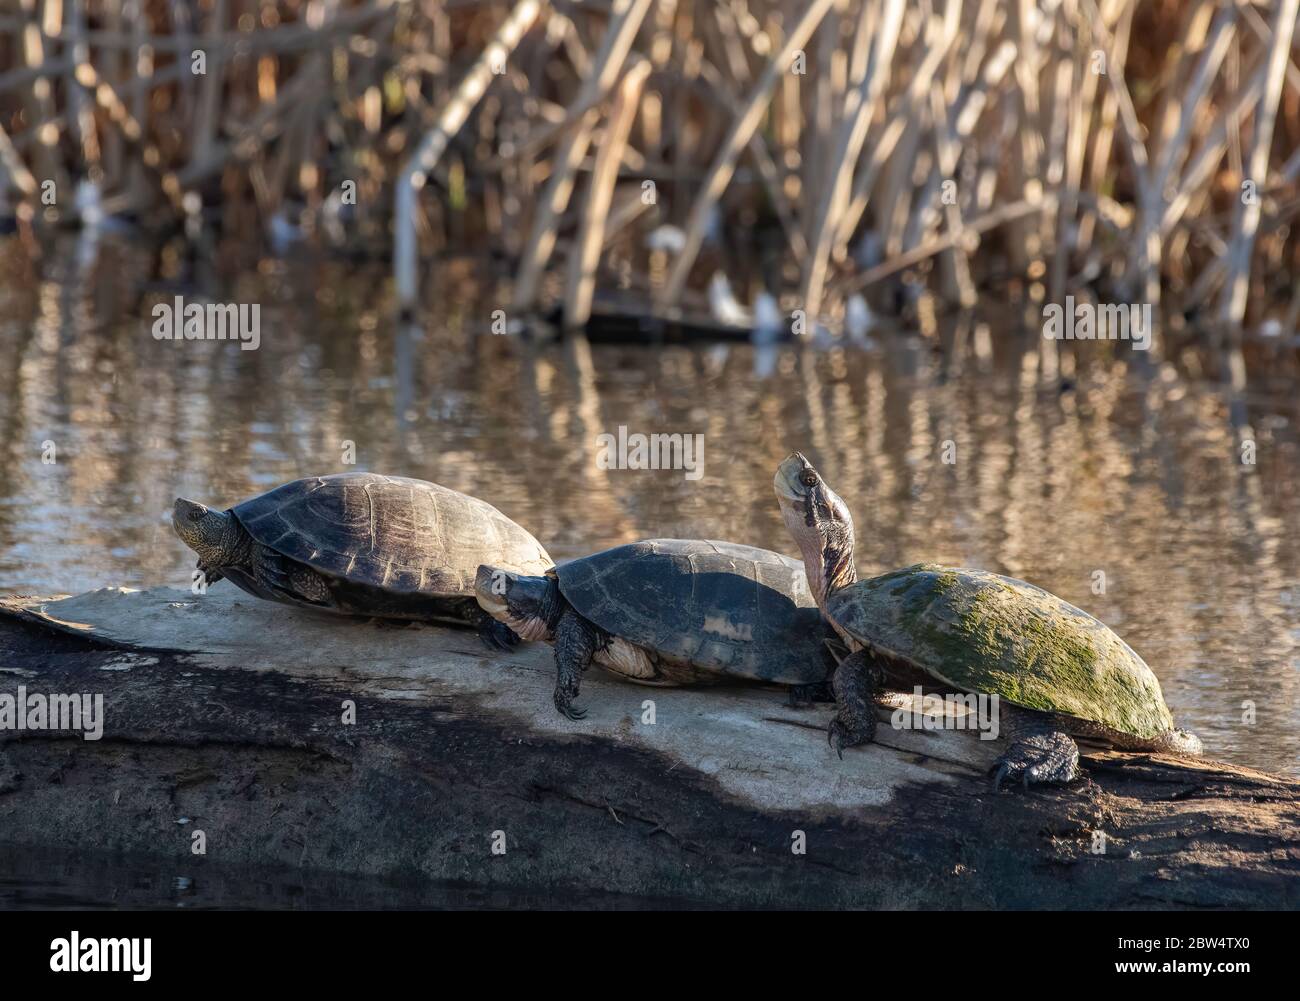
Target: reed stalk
(1096,146)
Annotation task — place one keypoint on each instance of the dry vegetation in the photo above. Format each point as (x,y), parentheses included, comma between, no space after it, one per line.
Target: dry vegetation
(1095,145)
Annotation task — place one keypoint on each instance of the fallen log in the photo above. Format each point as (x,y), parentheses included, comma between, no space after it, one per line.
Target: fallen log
(230,714)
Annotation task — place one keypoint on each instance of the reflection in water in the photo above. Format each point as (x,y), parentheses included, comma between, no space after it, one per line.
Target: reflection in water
(1058,483)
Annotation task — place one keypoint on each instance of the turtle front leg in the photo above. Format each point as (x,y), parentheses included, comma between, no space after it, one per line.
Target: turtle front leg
(856,681)
(575,644)
(210,573)
(1039,753)
(291,579)
(808,695)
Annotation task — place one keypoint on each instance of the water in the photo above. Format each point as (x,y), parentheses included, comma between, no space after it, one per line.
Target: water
(1139,480)
(53,880)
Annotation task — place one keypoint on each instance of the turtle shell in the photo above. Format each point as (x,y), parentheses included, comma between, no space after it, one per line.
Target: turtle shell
(983,632)
(721,607)
(399,535)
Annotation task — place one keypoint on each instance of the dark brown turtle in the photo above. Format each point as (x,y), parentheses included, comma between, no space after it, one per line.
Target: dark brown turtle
(669,612)
(363,544)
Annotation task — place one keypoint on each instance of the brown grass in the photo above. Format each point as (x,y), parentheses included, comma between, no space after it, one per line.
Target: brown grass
(823,131)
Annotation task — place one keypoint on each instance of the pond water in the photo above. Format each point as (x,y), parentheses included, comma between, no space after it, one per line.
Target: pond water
(38,879)
(1126,496)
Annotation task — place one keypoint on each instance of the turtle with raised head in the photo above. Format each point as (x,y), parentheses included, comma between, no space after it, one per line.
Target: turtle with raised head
(1058,672)
(363,544)
(669,612)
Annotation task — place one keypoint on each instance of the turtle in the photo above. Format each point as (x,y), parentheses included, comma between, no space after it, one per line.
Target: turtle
(362,544)
(669,612)
(1057,672)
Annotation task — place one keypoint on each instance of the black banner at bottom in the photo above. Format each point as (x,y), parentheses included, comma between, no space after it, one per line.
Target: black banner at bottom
(335,949)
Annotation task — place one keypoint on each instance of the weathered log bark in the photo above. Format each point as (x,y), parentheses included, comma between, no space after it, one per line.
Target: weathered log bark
(228,711)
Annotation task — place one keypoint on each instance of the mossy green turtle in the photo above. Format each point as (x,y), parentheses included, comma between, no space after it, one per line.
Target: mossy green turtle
(669,612)
(363,544)
(1055,669)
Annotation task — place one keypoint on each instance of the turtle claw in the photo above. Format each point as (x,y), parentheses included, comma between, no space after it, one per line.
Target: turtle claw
(806,696)
(1038,759)
(210,574)
(564,703)
(841,734)
(802,696)
(835,737)
(1008,772)
(1002,775)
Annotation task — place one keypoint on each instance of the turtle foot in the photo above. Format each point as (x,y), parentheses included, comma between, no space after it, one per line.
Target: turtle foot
(1038,759)
(497,635)
(564,703)
(210,574)
(850,730)
(809,695)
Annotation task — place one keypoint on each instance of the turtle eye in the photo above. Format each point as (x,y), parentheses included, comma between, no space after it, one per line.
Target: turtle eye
(809,479)
(196,515)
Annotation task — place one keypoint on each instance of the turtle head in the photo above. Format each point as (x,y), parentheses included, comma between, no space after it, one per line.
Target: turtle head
(820,523)
(525,604)
(205,531)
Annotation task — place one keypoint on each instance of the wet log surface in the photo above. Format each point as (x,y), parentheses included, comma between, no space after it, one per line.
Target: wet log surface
(225,713)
